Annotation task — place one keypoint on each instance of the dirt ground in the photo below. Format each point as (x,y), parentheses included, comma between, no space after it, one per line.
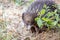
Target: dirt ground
(13,15)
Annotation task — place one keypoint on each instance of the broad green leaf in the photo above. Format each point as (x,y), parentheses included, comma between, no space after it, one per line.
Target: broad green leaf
(50,18)
(49,22)
(46,19)
(50,14)
(54,23)
(59,25)
(45,6)
(37,18)
(55,11)
(57,17)
(40,23)
(42,12)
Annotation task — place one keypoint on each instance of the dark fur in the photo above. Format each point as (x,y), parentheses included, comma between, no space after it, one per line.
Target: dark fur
(34,8)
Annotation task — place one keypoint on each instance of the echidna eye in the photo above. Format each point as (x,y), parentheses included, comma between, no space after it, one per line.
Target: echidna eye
(28,21)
